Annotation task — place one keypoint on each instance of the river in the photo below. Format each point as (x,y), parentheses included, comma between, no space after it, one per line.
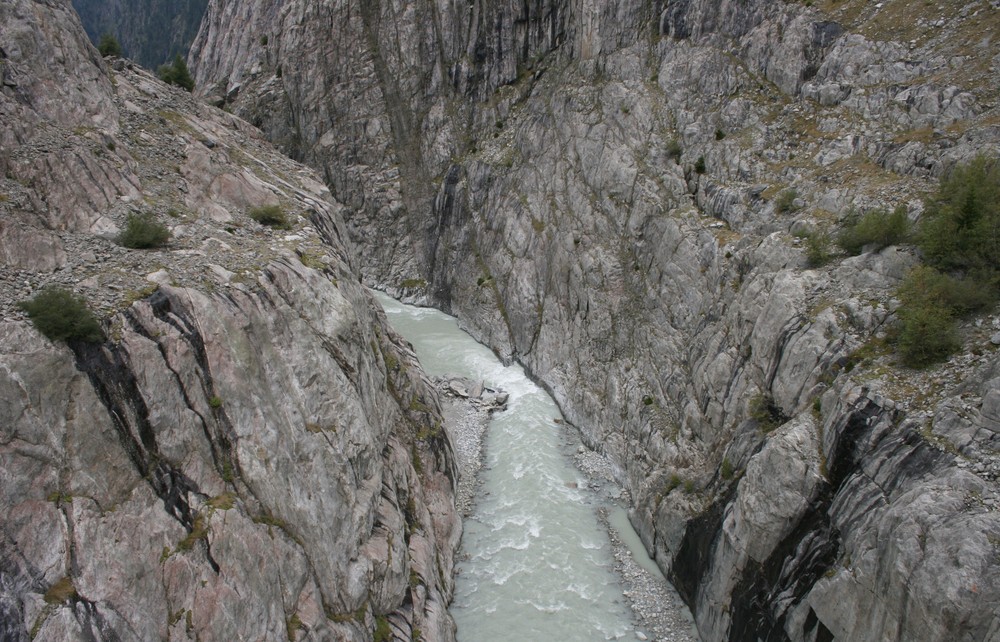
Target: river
(537,563)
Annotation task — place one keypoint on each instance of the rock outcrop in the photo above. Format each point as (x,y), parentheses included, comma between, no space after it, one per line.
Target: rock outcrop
(251,453)
(593,188)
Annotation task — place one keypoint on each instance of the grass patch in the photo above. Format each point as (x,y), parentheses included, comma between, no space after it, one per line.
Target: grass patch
(60,592)
(674,150)
(292,627)
(225,501)
(383,633)
(62,316)
(784,203)
(199,531)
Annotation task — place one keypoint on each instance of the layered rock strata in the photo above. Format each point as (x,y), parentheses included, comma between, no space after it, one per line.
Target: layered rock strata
(612,194)
(251,453)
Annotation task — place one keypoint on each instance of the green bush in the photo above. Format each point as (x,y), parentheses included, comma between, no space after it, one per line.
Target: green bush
(143,231)
(109,46)
(766,413)
(960,228)
(699,165)
(271,216)
(176,73)
(927,330)
(785,201)
(877,228)
(817,247)
(383,633)
(674,150)
(62,316)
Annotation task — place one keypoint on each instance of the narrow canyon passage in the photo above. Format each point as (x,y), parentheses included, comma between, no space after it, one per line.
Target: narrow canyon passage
(537,563)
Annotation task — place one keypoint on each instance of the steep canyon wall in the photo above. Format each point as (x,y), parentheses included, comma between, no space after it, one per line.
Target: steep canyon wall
(593,188)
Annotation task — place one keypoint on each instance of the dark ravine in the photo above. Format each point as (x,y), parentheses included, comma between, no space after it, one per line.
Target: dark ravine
(606,211)
(151,32)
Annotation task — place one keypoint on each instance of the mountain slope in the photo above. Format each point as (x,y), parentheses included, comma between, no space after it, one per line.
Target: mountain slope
(250,452)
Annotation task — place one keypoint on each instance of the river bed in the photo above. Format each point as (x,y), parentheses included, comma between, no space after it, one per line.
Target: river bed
(537,562)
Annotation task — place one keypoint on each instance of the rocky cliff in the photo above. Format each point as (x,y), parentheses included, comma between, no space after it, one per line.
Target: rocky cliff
(612,193)
(151,32)
(251,453)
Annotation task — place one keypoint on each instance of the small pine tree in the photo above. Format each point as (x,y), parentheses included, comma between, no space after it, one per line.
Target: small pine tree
(109,46)
(177,74)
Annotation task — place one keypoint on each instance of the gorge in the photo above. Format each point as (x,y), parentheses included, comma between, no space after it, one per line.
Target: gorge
(619,196)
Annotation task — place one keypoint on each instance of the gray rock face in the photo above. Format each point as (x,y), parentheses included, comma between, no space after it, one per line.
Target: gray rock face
(591,188)
(252,453)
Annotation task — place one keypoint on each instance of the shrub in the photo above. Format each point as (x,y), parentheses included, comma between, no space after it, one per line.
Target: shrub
(960,228)
(62,316)
(877,228)
(674,150)
(60,592)
(766,413)
(143,231)
(817,246)
(927,331)
(784,203)
(271,216)
(719,134)
(699,165)
(109,46)
(176,73)
(382,631)
(726,470)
